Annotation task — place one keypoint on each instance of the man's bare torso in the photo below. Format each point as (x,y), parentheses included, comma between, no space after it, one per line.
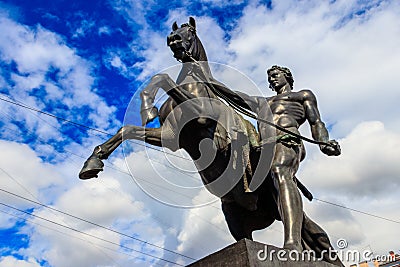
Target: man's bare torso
(288,109)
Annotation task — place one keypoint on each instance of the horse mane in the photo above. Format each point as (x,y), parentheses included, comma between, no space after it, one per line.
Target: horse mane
(200,52)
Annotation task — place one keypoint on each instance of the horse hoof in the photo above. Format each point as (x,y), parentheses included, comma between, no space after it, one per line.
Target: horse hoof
(91,168)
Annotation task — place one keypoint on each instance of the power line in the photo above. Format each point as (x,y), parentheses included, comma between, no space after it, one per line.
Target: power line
(26,190)
(90,235)
(359,211)
(52,115)
(114,167)
(17,182)
(206,221)
(72,236)
(144,180)
(21,104)
(103,132)
(95,224)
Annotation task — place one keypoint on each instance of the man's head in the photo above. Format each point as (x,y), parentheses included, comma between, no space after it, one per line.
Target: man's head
(274,70)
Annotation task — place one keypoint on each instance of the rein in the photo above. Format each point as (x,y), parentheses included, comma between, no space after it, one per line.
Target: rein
(250,114)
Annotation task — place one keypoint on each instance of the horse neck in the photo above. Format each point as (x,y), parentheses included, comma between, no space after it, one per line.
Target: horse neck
(199,52)
(200,56)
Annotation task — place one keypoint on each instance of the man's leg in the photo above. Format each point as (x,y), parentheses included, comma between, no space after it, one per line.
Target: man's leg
(290,205)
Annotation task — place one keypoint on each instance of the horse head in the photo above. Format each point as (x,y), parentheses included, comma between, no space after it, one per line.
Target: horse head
(185,44)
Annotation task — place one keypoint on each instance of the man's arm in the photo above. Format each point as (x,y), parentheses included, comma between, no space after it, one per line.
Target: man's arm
(251,101)
(239,98)
(318,129)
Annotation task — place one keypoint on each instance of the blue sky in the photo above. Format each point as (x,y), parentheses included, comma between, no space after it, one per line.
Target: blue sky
(85,60)
(94,29)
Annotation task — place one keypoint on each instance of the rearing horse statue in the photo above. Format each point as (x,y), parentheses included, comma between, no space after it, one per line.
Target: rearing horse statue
(194,119)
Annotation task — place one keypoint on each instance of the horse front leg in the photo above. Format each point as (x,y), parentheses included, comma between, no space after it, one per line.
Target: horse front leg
(154,136)
(177,93)
(148,112)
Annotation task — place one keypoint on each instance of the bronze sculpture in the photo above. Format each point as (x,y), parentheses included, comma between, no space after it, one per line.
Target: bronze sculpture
(289,111)
(187,118)
(186,126)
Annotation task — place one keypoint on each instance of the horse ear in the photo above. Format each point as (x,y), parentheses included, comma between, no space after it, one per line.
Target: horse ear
(192,22)
(174,26)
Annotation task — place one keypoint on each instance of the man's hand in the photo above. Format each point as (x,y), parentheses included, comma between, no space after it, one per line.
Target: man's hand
(331,149)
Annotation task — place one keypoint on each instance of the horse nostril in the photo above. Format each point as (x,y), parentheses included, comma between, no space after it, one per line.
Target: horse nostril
(170,40)
(173,39)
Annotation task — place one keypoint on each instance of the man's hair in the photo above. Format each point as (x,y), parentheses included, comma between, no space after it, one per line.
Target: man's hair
(286,72)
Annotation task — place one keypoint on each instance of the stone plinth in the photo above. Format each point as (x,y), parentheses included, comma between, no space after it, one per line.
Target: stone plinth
(246,253)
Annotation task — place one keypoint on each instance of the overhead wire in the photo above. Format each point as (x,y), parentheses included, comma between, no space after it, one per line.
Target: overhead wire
(20,104)
(103,132)
(52,115)
(107,165)
(127,173)
(146,181)
(87,234)
(94,224)
(251,114)
(100,131)
(355,210)
(26,190)
(38,203)
(72,236)
(110,229)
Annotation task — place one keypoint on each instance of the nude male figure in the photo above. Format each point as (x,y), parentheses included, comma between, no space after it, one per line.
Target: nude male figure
(289,110)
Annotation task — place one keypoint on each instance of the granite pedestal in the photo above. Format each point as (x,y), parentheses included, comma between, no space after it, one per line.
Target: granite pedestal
(247,253)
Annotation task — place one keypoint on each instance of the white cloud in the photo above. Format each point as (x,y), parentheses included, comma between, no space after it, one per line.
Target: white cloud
(349,61)
(84,28)
(24,173)
(38,53)
(221,3)
(116,62)
(368,154)
(34,51)
(134,10)
(104,30)
(200,224)
(116,59)
(11,261)
(343,57)
(105,202)
(365,178)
